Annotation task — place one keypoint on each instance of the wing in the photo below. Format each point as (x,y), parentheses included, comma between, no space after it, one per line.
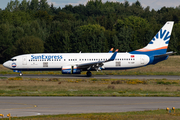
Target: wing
(98,64)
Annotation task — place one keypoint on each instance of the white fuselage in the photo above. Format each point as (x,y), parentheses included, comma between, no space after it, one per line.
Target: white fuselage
(55,61)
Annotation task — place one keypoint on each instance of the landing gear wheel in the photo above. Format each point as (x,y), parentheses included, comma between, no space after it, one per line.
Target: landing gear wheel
(20,74)
(89,74)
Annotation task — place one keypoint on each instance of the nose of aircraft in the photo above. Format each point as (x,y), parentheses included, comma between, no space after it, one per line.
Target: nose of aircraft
(6,64)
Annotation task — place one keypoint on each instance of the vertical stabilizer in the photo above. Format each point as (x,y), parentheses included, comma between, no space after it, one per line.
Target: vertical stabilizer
(159,44)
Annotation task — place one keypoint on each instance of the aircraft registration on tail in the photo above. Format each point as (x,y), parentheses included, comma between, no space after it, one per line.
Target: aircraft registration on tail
(75,63)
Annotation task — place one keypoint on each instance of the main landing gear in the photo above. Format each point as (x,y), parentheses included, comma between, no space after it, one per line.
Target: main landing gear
(89,74)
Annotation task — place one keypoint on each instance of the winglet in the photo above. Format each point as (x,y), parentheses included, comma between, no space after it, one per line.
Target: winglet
(111,50)
(113,56)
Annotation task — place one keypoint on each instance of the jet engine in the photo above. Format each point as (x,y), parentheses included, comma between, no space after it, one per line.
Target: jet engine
(71,70)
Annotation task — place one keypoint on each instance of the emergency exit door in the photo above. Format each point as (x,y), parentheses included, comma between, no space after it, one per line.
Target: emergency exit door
(142,59)
(24,60)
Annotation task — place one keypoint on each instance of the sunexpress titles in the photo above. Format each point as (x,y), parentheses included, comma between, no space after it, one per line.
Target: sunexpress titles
(46,57)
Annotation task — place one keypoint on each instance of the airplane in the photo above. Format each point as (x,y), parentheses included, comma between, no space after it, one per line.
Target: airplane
(75,63)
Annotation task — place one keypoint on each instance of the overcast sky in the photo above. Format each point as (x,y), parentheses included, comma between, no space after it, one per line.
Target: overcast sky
(154,4)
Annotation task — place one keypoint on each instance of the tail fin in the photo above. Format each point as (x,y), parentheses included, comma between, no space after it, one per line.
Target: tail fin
(159,44)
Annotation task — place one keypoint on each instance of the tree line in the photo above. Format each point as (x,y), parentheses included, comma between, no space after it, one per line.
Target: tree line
(35,26)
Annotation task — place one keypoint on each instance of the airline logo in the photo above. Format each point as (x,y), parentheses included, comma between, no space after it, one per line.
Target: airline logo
(46,57)
(159,42)
(161,39)
(161,35)
(13,65)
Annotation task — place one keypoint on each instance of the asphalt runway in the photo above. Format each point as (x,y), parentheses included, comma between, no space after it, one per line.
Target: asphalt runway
(32,106)
(100,76)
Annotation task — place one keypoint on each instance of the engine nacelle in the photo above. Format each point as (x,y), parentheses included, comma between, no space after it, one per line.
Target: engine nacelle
(71,70)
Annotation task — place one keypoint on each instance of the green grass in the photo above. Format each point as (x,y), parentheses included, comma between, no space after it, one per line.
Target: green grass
(137,115)
(3,77)
(19,86)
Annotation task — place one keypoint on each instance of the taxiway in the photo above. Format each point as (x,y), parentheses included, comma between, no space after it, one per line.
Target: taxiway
(31,106)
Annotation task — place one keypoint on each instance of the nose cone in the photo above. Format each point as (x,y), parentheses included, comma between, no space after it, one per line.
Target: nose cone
(6,64)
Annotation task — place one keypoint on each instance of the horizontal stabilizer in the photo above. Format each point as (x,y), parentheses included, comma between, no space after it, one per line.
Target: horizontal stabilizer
(168,53)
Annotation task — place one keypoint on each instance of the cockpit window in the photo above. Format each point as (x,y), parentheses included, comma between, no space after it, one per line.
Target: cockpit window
(13,59)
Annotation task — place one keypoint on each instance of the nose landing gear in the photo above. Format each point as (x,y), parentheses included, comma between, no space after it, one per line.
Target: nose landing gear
(20,74)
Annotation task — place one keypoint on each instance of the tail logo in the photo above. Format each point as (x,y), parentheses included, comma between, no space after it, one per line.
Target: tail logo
(159,44)
(161,35)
